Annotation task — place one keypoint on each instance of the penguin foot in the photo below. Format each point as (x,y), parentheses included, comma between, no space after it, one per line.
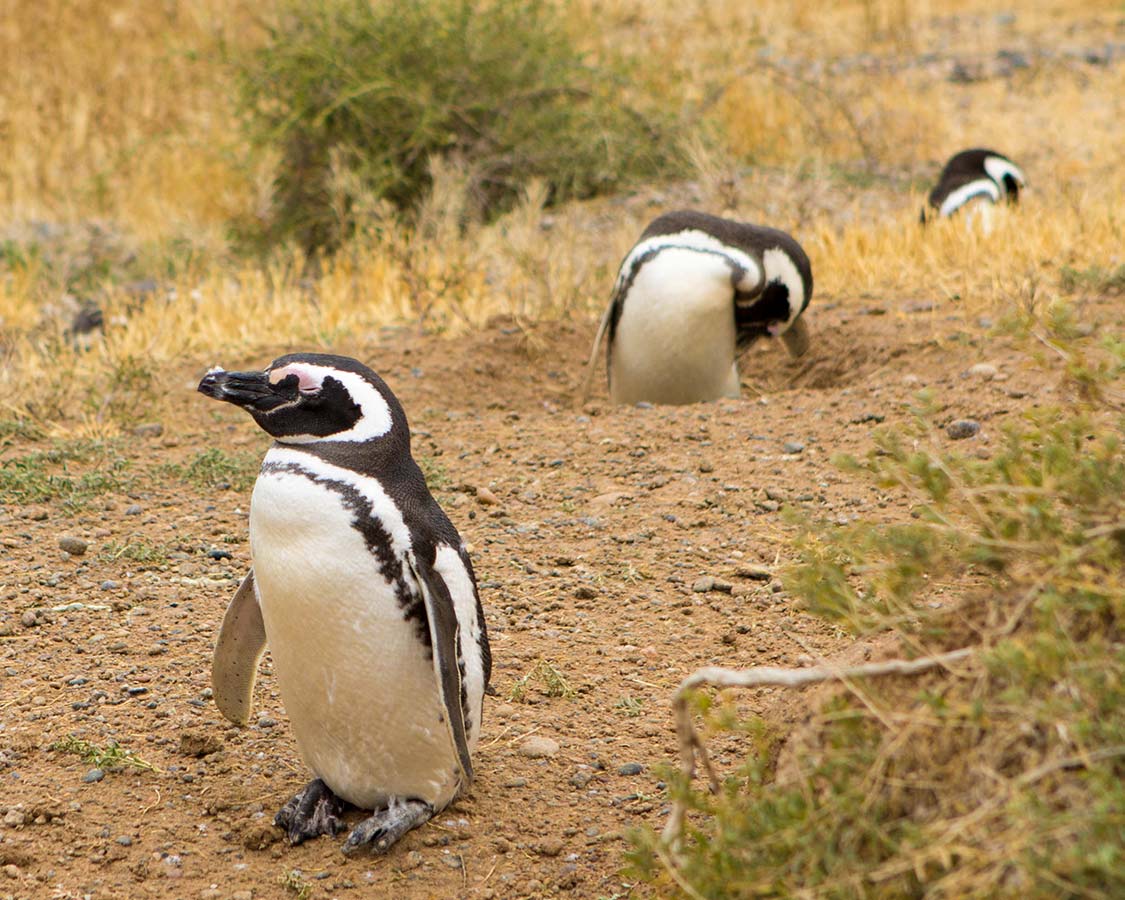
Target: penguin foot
(379,832)
(312,811)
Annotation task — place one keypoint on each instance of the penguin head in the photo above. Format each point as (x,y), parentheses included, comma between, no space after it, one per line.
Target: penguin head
(305,398)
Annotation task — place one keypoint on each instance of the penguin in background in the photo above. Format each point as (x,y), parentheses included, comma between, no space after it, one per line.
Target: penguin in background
(975,180)
(364,592)
(694,293)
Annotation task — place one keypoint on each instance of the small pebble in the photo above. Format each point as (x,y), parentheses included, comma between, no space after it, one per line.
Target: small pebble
(93,776)
(12,870)
(985,371)
(631,769)
(961,429)
(28,619)
(125,841)
(793,447)
(110,585)
(75,546)
(14,818)
(220,554)
(134,510)
(149,429)
(703,585)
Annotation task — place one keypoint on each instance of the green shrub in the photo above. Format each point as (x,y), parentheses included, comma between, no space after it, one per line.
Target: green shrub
(357,96)
(1005,777)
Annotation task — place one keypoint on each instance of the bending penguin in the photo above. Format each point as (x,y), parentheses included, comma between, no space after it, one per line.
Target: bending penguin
(976,180)
(693,293)
(366,596)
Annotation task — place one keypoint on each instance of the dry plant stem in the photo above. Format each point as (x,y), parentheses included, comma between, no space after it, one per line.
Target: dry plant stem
(691,744)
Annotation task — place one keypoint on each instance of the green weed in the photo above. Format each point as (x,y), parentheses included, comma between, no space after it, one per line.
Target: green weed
(551,681)
(213,467)
(45,476)
(111,758)
(294,882)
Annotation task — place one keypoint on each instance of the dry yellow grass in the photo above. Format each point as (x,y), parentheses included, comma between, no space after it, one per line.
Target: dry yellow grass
(121,111)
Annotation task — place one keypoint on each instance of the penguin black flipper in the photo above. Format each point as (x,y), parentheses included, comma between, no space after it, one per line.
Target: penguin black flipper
(445,638)
(241,643)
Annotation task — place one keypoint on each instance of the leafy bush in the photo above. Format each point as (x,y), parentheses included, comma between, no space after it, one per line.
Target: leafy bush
(358,95)
(1003,777)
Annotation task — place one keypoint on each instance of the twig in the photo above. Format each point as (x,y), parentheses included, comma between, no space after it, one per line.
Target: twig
(691,744)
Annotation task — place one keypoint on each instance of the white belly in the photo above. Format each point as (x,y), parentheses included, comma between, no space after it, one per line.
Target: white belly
(675,340)
(358,686)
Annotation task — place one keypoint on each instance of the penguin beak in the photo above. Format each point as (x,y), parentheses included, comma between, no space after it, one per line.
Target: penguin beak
(250,390)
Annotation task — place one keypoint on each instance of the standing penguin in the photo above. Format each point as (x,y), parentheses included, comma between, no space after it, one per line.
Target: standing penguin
(978,177)
(693,293)
(365,594)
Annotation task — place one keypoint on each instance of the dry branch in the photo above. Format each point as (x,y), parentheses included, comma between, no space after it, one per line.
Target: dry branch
(691,744)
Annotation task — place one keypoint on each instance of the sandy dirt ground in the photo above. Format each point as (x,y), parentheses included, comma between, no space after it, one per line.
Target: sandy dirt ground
(622,547)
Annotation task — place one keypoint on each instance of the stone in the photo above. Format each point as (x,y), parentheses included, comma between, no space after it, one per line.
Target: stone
(485,497)
(985,371)
(93,776)
(961,429)
(538,747)
(75,546)
(630,769)
(149,430)
(199,744)
(14,818)
(793,447)
(703,585)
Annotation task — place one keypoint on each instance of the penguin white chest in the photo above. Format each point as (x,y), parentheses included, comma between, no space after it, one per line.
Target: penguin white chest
(356,679)
(675,338)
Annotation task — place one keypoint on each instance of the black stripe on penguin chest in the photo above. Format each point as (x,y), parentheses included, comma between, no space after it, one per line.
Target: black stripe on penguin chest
(377,540)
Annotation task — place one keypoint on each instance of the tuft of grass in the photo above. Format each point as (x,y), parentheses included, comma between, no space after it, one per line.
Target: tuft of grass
(1004,776)
(357,98)
(1094,279)
(140,551)
(214,468)
(46,476)
(294,882)
(112,757)
(630,707)
(551,682)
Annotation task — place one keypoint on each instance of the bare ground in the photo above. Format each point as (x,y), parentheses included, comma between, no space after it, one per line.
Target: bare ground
(592,538)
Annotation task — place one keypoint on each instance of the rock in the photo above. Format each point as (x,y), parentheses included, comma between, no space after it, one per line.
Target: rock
(93,776)
(110,585)
(755,573)
(211,893)
(551,846)
(703,585)
(961,429)
(537,747)
(485,497)
(249,895)
(14,818)
(134,510)
(630,769)
(28,619)
(12,871)
(793,447)
(581,778)
(149,430)
(985,371)
(199,744)
(585,593)
(75,546)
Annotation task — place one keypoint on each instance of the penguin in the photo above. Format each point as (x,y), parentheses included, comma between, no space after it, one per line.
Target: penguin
(979,179)
(694,292)
(364,592)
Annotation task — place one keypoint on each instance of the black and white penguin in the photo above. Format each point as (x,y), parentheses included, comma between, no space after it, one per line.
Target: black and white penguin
(693,293)
(978,179)
(364,592)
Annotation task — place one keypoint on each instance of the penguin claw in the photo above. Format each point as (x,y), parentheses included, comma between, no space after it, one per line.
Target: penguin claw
(379,832)
(311,812)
